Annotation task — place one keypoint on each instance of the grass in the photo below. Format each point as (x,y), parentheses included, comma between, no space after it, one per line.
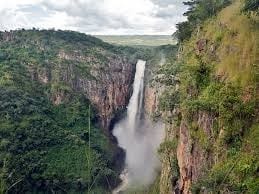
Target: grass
(236,36)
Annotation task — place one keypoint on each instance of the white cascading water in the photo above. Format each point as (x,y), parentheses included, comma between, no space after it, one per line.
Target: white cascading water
(139,137)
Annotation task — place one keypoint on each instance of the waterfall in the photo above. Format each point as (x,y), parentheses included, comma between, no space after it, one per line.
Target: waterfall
(139,137)
(135,103)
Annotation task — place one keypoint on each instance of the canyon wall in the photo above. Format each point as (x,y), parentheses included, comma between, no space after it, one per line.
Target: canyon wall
(59,92)
(108,88)
(103,75)
(211,115)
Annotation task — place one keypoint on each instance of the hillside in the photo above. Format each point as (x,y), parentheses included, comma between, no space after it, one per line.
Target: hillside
(56,103)
(210,103)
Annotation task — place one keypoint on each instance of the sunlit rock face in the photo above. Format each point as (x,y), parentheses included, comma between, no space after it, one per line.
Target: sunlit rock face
(111,90)
(108,86)
(71,62)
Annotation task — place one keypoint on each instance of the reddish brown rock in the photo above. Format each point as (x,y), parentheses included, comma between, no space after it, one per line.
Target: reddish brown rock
(191,155)
(108,86)
(200,45)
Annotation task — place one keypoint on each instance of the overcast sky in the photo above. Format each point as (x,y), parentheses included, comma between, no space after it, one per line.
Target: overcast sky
(93,16)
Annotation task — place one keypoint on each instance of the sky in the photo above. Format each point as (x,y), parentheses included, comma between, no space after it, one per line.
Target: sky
(102,17)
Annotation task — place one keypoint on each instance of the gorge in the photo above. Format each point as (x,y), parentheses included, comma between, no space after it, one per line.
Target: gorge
(80,115)
(52,87)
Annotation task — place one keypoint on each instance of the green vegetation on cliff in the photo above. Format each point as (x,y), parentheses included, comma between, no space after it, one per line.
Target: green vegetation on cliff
(44,121)
(216,98)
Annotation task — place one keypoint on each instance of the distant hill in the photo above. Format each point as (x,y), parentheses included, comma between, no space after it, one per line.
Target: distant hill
(138,40)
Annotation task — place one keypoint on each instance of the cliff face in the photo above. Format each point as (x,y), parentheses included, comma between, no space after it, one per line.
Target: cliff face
(184,162)
(154,85)
(111,92)
(108,87)
(86,65)
(193,157)
(154,88)
(151,100)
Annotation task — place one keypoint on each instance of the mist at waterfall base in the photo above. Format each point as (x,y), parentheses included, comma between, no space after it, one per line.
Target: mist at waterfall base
(139,137)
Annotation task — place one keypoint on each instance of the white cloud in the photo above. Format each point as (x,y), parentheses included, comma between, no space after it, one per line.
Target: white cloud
(93,16)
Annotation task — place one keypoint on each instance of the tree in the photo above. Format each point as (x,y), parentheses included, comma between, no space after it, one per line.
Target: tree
(251,5)
(199,11)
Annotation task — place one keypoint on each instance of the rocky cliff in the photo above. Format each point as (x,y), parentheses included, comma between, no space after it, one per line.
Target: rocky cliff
(193,156)
(58,90)
(212,115)
(108,87)
(96,69)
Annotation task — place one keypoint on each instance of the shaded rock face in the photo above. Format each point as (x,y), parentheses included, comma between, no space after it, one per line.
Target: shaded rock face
(151,101)
(108,86)
(191,155)
(167,183)
(111,91)
(184,159)
(153,90)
